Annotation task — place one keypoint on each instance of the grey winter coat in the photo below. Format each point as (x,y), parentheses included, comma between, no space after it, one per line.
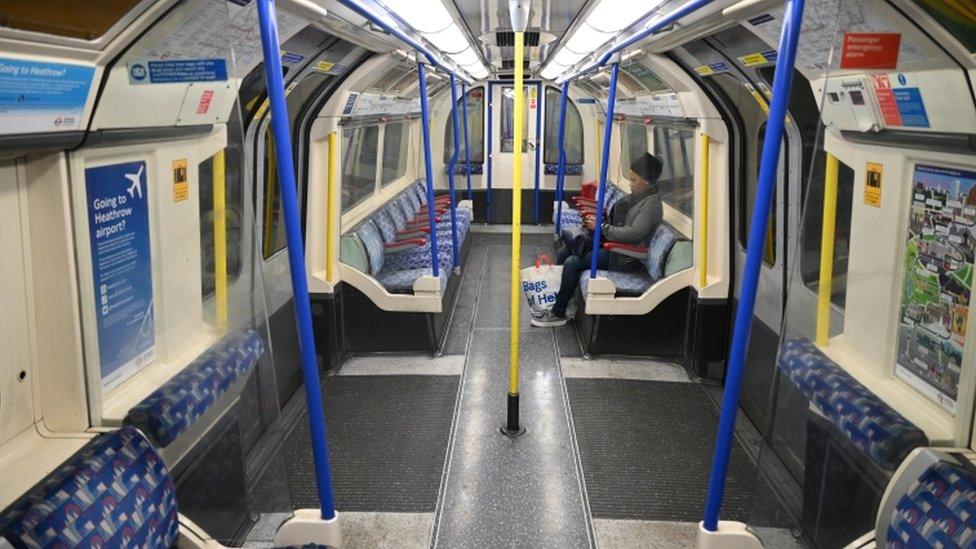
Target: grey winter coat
(643,214)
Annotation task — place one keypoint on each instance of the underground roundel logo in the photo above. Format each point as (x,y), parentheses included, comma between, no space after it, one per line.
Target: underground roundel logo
(137,71)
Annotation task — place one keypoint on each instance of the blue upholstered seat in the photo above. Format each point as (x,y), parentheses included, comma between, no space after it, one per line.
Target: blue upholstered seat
(938,510)
(463,169)
(397,271)
(875,428)
(571,169)
(401,281)
(174,407)
(635,283)
(115,492)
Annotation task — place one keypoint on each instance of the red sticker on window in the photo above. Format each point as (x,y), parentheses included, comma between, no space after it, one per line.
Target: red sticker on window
(870,50)
(205,99)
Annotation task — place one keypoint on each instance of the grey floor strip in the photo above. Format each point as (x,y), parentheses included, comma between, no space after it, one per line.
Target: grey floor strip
(498,491)
(420,365)
(647,370)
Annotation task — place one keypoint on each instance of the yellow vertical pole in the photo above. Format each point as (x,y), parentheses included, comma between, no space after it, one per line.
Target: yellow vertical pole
(270,196)
(331,213)
(827,250)
(702,233)
(513,355)
(220,238)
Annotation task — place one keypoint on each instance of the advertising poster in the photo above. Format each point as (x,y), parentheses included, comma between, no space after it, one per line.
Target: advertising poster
(938,281)
(42,97)
(118,222)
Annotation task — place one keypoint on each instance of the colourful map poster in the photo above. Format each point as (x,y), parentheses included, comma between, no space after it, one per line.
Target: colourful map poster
(938,280)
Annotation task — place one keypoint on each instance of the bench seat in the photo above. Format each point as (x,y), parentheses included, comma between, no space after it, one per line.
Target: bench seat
(875,428)
(173,408)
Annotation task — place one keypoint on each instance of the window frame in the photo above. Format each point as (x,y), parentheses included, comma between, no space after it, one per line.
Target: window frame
(344,163)
(553,136)
(402,158)
(477,154)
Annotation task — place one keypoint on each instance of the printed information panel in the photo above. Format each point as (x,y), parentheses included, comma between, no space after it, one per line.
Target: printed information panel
(42,97)
(938,282)
(118,221)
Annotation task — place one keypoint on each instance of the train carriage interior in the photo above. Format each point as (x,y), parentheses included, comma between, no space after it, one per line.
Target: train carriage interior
(279,273)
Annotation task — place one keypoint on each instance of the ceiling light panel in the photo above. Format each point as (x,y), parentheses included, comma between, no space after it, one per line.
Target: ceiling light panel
(424,16)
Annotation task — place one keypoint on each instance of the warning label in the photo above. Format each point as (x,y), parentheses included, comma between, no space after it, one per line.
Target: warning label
(870,50)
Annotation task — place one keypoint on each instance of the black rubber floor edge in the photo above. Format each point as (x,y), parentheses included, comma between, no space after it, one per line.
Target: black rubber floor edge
(387,442)
(646,448)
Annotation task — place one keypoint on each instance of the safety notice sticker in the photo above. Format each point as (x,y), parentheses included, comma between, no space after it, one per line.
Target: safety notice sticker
(177,71)
(42,97)
(118,225)
(870,50)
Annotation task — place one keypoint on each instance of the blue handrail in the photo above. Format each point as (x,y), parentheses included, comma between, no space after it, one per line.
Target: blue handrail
(604,167)
(538,149)
(782,84)
(490,147)
(657,26)
(467,145)
(561,172)
(450,171)
(296,255)
(435,267)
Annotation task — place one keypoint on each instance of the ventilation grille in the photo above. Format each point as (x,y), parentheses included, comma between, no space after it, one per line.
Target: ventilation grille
(509,65)
(506,39)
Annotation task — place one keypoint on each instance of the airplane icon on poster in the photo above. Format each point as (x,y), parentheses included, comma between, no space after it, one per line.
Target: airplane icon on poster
(136,179)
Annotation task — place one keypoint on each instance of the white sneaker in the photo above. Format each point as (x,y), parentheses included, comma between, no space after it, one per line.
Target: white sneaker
(548,319)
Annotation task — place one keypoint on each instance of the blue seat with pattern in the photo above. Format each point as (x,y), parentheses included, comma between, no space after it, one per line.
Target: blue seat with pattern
(937,510)
(398,272)
(173,408)
(635,283)
(571,169)
(572,217)
(114,492)
(875,428)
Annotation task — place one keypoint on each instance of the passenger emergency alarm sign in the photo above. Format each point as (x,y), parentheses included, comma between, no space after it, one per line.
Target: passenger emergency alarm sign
(870,50)
(118,225)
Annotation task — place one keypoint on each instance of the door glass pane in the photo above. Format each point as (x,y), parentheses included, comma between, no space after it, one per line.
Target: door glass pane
(573,142)
(476,129)
(508,120)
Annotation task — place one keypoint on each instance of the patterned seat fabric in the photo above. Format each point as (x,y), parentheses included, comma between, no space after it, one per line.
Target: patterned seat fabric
(659,248)
(115,492)
(873,426)
(571,169)
(174,407)
(392,271)
(463,169)
(627,283)
(401,281)
(939,510)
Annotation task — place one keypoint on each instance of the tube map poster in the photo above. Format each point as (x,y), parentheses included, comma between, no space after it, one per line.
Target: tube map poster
(938,280)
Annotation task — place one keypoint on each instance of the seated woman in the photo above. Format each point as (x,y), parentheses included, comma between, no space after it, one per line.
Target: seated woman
(632,220)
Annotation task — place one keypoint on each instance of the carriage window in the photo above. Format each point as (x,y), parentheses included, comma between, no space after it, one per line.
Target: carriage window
(63,18)
(813,229)
(476,128)
(232,215)
(395,143)
(956,17)
(675,149)
(358,164)
(574,130)
(635,144)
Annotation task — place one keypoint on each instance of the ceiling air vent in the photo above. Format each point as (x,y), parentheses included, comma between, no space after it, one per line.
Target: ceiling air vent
(509,64)
(506,39)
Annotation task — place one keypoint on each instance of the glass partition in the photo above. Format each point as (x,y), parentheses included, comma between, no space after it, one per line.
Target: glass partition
(874,359)
(169,272)
(476,128)
(395,142)
(573,143)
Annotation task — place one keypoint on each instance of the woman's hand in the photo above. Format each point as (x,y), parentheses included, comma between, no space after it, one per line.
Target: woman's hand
(589,222)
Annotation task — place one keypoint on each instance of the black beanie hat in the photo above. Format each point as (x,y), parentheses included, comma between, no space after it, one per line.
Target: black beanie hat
(648,167)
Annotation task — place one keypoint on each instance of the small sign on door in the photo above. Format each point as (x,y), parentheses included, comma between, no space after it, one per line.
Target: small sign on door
(872,185)
(181,185)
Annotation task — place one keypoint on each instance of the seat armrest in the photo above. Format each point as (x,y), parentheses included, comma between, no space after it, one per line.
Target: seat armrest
(421,221)
(635,251)
(413,232)
(401,245)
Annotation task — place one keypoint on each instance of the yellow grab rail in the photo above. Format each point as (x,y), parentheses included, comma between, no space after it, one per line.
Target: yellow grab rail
(220,238)
(330,208)
(513,354)
(825,286)
(702,233)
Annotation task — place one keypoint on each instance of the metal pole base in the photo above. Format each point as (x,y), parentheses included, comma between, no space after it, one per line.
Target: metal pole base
(307,527)
(512,427)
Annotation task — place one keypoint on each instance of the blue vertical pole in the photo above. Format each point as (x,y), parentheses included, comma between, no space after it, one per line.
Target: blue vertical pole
(782,84)
(450,170)
(561,172)
(604,165)
(490,147)
(296,253)
(467,144)
(435,267)
(538,140)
